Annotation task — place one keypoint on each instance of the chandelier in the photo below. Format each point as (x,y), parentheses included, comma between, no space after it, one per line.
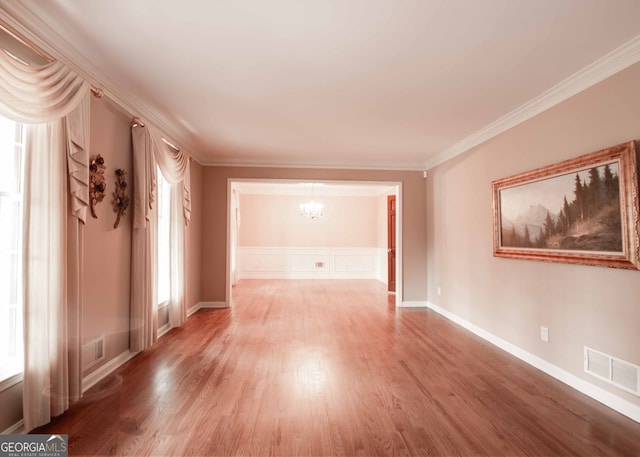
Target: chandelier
(312,209)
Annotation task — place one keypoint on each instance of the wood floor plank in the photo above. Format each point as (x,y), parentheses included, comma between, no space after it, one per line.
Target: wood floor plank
(315,368)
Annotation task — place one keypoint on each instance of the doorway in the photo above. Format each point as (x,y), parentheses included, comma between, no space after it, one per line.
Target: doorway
(236,253)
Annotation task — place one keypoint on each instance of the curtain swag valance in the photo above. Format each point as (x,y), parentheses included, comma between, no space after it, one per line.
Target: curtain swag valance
(150,150)
(36,94)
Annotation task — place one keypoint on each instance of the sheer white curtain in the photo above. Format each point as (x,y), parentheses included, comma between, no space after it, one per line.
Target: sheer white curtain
(143,316)
(151,151)
(54,101)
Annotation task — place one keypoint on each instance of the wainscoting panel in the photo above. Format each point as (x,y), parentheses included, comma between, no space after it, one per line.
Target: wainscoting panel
(307,263)
(355,262)
(266,262)
(382,273)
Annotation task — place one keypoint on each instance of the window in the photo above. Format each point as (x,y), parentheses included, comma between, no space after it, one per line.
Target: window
(11,153)
(163,242)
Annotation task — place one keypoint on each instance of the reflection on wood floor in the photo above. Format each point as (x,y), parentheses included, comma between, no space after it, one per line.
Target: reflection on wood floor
(323,368)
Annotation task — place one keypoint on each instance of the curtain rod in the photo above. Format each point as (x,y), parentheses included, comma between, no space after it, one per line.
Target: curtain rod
(96,91)
(24,40)
(170,144)
(136,122)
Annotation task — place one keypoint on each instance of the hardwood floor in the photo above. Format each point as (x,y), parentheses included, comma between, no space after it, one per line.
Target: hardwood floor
(324,368)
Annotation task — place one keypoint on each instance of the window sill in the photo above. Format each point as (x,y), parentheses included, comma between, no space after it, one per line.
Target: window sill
(10,381)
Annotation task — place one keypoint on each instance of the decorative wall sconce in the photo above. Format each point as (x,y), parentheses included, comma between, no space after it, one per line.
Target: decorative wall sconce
(97,182)
(120,197)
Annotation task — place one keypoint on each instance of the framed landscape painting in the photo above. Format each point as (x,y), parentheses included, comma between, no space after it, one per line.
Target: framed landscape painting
(583,210)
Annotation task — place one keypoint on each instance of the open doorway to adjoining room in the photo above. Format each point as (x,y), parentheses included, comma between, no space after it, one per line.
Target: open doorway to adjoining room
(270,235)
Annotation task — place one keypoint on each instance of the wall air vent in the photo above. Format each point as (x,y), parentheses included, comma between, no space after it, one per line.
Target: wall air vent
(622,374)
(93,352)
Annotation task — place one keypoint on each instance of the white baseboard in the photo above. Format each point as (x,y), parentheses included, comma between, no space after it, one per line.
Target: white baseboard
(162,331)
(15,429)
(105,370)
(205,304)
(87,383)
(415,304)
(10,381)
(194,309)
(213,304)
(605,397)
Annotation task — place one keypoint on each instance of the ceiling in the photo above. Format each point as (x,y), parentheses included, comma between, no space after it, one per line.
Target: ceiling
(401,84)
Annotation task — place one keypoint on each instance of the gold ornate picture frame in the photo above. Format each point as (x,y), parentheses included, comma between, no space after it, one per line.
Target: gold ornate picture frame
(582,210)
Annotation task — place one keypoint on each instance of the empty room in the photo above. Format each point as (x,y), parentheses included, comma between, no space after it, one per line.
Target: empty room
(320,228)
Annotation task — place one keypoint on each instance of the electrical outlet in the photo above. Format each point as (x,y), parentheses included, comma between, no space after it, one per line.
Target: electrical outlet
(439,291)
(544,334)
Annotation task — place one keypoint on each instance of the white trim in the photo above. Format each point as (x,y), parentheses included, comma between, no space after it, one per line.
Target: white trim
(603,68)
(414,304)
(397,187)
(605,397)
(212,304)
(318,166)
(105,370)
(302,188)
(16,429)
(25,21)
(382,269)
(194,309)
(290,262)
(11,381)
(230,279)
(87,383)
(162,331)
(206,304)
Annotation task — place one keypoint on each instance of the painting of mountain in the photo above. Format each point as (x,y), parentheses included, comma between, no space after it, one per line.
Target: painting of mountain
(584,210)
(574,211)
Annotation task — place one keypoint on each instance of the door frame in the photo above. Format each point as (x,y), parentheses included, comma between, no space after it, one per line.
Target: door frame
(392,247)
(230,251)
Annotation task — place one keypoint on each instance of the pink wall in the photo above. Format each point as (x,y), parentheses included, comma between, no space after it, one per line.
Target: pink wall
(107,251)
(275,221)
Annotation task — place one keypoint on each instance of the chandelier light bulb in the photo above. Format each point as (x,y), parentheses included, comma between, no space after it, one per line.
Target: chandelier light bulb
(311,210)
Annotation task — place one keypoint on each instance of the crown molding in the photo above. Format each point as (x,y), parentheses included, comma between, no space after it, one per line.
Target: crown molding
(315,166)
(603,68)
(26,22)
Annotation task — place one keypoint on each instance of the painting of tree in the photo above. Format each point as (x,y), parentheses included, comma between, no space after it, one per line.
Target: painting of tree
(582,210)
(575,211)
